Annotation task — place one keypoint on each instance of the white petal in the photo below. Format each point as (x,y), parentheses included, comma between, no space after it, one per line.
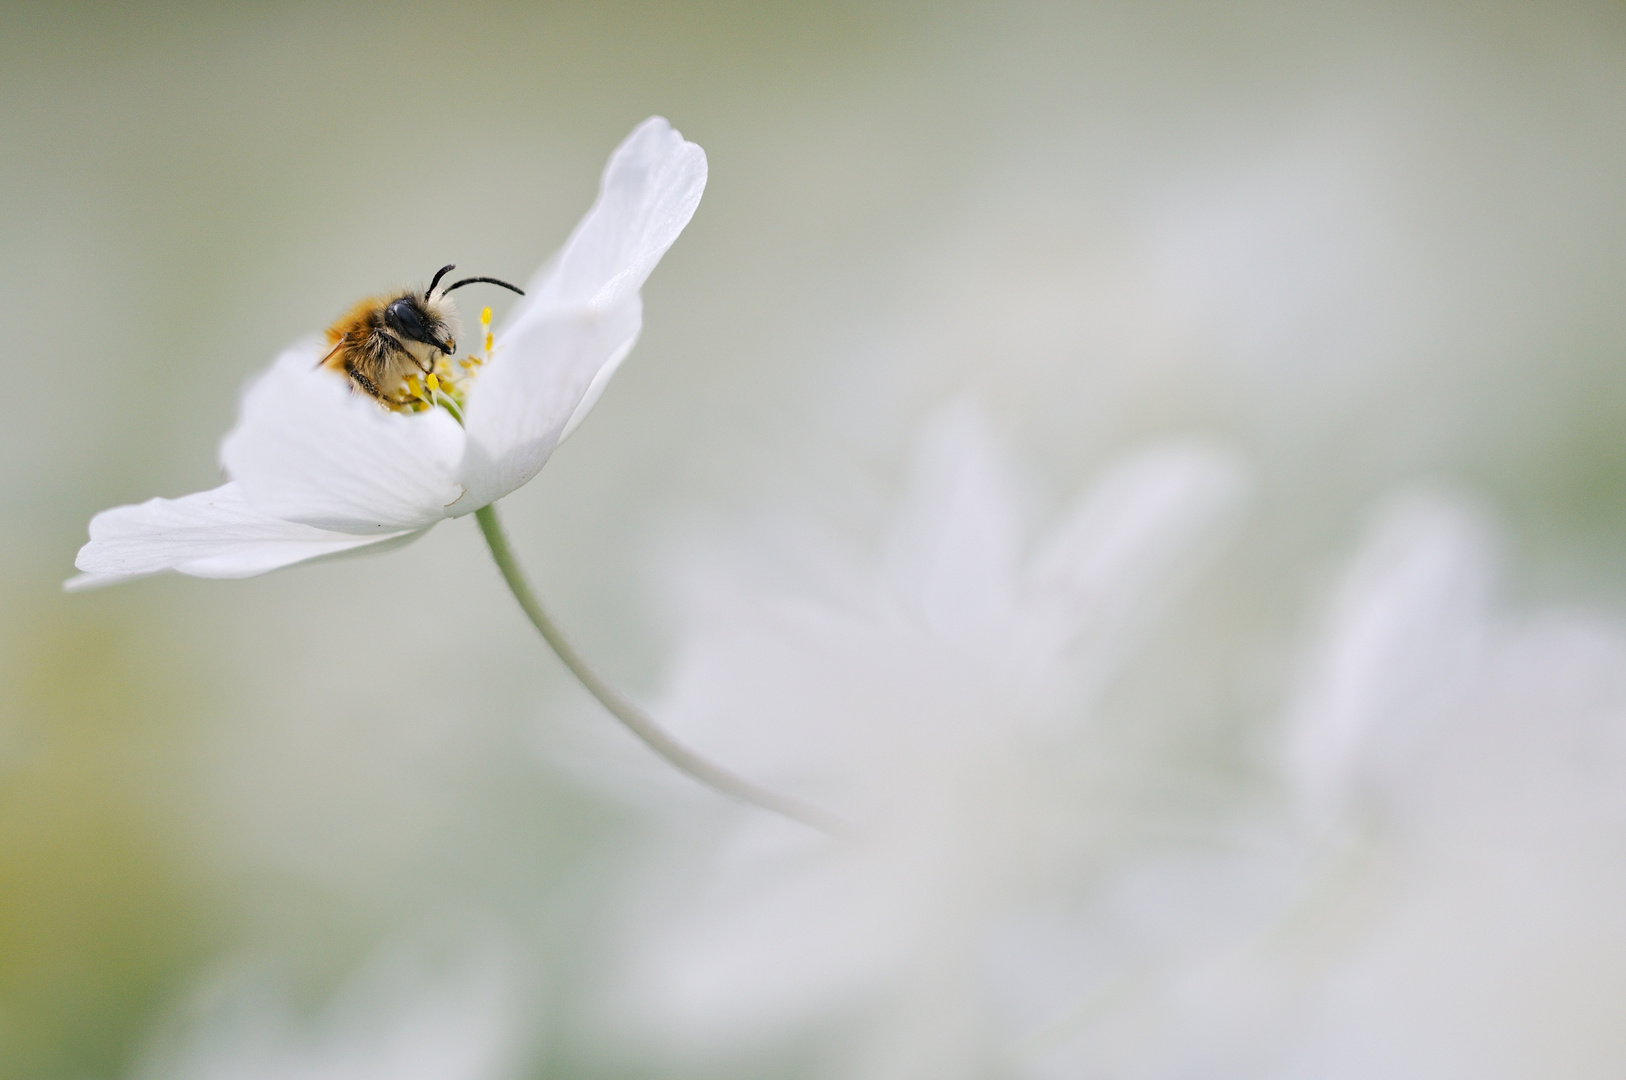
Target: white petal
(954,550)
(1133,539)
(581,314)
(520,405)
(307,449)
(214,534)
(601,379)
(648,193)
(1404,629)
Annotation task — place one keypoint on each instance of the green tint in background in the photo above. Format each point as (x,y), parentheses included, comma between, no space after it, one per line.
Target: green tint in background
(1365,244)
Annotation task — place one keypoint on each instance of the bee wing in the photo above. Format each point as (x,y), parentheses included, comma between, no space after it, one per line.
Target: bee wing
(344,339)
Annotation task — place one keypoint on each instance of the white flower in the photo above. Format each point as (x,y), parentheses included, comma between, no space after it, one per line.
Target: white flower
(316,470)
(943,694)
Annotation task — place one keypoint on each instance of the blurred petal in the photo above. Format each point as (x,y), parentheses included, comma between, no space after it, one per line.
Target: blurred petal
(581,314)
(214,534)
(307,449)
(954,550)
(1133,539)
(1404,630)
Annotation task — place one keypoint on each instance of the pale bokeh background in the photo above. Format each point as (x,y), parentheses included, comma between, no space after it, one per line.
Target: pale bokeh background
(1364,245)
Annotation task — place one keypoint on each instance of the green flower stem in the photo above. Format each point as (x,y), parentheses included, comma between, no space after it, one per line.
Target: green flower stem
(636,720)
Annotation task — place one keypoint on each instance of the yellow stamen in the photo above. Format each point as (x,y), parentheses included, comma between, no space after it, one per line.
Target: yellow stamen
(414,388)
(433,381)
(485,316)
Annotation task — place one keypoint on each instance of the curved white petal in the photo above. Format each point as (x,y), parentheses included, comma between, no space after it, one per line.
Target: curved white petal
(1135,538)
(648,193)
(1137,535)
(306,449)
(1406,626)
(581,314)
(213,534)
(520,405)
(595,389)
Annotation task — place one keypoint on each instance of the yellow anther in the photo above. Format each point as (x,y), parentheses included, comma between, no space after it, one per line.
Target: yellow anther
(433,381)
(413,386)
(488,343)
(485,316)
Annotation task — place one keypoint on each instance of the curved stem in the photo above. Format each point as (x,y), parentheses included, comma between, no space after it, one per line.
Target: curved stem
(636,720)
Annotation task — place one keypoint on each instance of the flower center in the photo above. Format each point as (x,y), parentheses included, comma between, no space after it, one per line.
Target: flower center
(445,386)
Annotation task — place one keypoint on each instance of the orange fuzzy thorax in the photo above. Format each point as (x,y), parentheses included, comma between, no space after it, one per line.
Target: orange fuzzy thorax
(389,377)
(363,318)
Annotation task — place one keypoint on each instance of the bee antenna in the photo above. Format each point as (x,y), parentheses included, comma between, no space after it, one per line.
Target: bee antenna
(438,275)
(487,280)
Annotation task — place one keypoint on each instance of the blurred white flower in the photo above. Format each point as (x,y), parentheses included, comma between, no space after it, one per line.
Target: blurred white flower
(943,694)
(1467,765)
(317,470)
(1419,877)
(1440,892)
(393,1021)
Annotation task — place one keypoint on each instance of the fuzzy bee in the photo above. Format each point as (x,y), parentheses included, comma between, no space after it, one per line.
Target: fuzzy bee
(383,340)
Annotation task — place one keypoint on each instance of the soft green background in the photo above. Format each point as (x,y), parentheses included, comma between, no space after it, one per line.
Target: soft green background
(1365,243)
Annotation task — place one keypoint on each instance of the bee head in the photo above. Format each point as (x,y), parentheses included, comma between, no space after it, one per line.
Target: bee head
(428,317)
(420,318)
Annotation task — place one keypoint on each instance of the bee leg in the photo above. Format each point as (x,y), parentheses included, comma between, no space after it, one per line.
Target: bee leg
(365,383)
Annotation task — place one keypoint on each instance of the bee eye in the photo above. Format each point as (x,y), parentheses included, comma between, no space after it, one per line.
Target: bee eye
(405,319)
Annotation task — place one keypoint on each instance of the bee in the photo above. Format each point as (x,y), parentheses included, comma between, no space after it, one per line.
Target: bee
(383,340)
